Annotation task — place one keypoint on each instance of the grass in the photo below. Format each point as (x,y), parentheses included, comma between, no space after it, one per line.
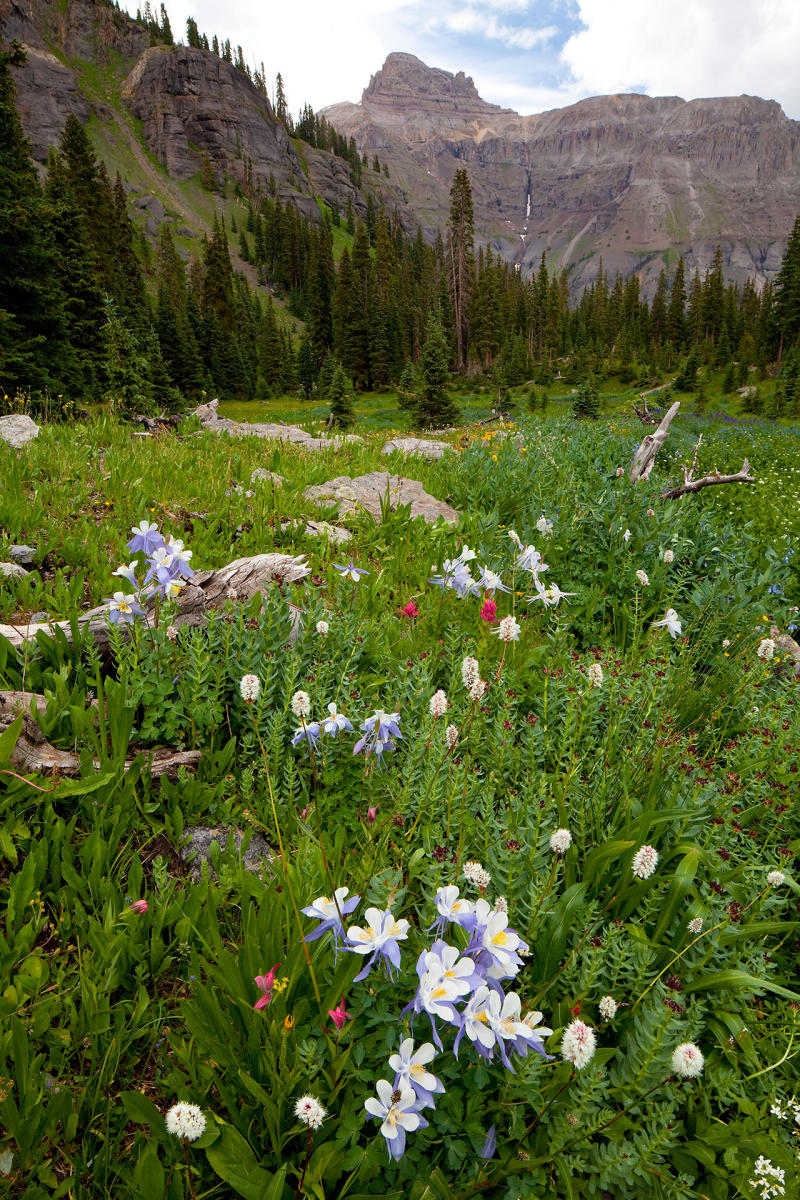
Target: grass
(110,1015)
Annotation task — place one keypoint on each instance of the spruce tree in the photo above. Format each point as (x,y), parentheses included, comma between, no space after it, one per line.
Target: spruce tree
(460,261)
(33,344)
(340,397)
(587,401)
(435,406)
(408,388)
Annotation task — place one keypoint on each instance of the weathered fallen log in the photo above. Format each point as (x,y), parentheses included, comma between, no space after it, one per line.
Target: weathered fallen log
(240,579)
(650,445)
(35,755)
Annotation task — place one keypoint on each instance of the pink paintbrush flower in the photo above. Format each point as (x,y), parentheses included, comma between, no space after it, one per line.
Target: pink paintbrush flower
(410,610)
(338,1015)
(489,610)
(266,983)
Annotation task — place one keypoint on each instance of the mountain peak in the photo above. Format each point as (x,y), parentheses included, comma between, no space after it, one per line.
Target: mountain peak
(405,77)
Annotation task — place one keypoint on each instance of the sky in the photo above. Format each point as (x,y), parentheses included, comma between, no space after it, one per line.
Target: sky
(529,55)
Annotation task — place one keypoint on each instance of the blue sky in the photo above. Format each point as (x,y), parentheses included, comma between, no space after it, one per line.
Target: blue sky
(530,55)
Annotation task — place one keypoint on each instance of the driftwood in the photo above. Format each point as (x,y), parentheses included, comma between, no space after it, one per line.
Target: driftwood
(645,456)
(240,579)
(643,413)
(35,755)
(690,484)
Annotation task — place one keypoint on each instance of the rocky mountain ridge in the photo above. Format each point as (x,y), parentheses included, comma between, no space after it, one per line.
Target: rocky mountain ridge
(632,179)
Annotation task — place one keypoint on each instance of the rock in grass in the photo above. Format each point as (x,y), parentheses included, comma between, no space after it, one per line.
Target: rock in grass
(426,447)
(262,475)
(202,838)
(24,555)
(12,570)
(369,492)
(18,429)
(270,430)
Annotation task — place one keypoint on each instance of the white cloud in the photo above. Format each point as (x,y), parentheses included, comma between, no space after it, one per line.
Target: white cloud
(518,51)
(692,49)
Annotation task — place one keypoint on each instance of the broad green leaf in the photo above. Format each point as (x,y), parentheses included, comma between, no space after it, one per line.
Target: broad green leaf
(738,981)
(681,882)
(8,738)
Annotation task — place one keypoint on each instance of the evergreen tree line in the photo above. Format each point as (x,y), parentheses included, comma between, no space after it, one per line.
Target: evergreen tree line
(80,315)
(89,311)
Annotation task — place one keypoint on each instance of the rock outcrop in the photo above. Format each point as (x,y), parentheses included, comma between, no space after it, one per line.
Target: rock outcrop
(369,492)
(270,430)
(631,179)
(425,447)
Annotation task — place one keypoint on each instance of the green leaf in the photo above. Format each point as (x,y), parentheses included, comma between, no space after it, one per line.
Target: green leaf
(602,855)
(142,1111)
(738,981)
(235,1163)
(681,882)
(8,739)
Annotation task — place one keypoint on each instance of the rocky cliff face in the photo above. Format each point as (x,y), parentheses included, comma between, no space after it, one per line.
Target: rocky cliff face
(632,179)
(188,102)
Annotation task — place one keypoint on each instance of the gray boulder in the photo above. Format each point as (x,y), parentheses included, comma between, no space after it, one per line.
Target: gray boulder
(426,447)
(24,555)
(18,429)
(369,491)
(12,570)
(198,849)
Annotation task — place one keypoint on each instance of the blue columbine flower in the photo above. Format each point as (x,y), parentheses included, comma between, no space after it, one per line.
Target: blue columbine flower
(396,1108)
(329,913)
(309,733)
(410,1066)
(123,608)
(378,940)
(379,732)
(145,538)
(350,569)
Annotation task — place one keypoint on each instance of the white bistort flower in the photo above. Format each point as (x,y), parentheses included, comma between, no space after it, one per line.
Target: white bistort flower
(775,878)
(578,1044)
(687,1060)
(560,841)
(766,649)
(301,705)
(508,630)
(645,861)
(668,557)
(322,627)
(725,643)
(476,874)
(309,1110)
(695,925)
(185,1121)
(438,703)
(451,736)
(607,1008)
(643,577)
(477,689)
(250,688)
(595,673)
(470,672)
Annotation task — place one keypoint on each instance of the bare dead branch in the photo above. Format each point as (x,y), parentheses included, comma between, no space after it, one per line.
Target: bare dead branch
(694,485)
